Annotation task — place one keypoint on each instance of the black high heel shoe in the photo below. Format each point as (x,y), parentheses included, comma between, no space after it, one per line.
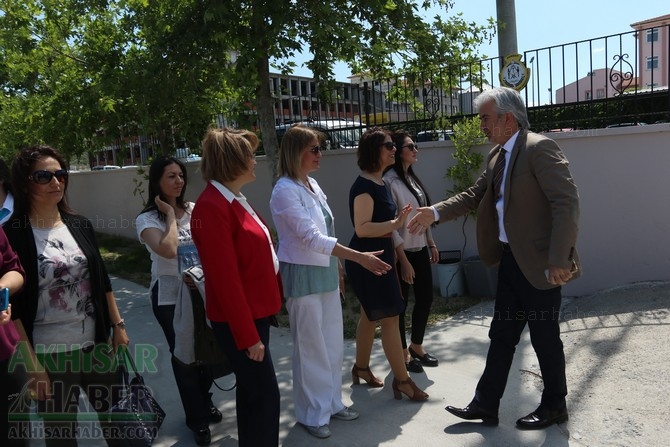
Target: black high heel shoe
(426,359)
(414,366)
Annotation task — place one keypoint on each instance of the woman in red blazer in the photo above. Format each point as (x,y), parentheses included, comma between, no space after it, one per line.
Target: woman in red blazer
(242,285)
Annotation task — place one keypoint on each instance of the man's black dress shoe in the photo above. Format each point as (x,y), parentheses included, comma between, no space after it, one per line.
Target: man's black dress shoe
(426,359)
(474,411)
(414,366)
(542,418)
(202,437)
(214,414)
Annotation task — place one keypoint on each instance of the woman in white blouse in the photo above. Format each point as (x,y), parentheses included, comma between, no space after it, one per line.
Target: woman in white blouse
(415,252)
(164,227)
(308,252)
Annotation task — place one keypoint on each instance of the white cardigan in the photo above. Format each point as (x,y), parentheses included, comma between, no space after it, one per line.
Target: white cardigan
(298,217)
(402,196)
(184,326)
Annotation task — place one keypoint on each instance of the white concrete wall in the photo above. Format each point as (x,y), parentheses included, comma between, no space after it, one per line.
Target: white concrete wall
(622,175)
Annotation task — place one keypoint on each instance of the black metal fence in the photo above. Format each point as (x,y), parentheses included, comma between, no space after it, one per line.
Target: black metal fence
(621,79)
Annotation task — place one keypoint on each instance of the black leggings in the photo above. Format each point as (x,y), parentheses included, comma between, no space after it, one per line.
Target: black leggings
(193,381)
(423,295)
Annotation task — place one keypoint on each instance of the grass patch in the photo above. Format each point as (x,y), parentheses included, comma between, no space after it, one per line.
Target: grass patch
(129,259)
(126,258)
(441,309)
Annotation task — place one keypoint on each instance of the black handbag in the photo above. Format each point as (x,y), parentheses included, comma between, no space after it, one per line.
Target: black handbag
(137,416)
(206,347)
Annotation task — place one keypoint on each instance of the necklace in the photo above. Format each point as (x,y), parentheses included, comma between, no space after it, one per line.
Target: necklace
(377,179)
(44,222)
(306,183)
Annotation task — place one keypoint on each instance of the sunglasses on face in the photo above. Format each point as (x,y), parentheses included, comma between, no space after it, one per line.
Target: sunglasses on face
(390,145)
(43,177)
(315,149)
(412,146)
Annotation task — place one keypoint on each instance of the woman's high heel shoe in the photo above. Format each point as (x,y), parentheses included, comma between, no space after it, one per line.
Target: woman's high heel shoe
(370,378)
(417,393)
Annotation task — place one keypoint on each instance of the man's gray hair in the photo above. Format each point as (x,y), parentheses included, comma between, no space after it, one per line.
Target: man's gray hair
(506,100)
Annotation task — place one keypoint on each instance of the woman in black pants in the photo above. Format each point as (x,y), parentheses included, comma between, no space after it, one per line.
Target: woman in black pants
(241,279)
(415,253)
(164,227)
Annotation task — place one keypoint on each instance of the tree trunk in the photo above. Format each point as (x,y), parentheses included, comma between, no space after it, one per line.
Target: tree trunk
(163,141)
(266,117)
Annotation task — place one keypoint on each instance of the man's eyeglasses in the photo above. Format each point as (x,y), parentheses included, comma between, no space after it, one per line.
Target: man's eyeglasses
(412,146)
(315,149)
(43,177)
(390,145)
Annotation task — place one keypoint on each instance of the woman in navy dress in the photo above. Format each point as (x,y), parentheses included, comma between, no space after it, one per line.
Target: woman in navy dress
(375,217)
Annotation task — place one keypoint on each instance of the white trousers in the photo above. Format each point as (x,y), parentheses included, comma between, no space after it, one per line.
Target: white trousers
(318,350)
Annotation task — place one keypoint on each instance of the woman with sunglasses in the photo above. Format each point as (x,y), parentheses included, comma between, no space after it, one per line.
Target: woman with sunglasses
(414,252)
(66,314)
(308,252)
(375,217)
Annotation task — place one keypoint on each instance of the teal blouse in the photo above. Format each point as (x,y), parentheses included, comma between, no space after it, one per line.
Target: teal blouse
(300,280)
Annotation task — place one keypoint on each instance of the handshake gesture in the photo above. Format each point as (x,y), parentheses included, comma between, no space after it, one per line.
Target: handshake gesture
(423,219)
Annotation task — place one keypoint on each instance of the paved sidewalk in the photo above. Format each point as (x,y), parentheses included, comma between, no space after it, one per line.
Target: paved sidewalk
(617,346)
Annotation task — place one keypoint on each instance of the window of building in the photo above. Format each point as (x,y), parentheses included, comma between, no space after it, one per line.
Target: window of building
(652,63)
(600,93)
(587,95)
(652,35)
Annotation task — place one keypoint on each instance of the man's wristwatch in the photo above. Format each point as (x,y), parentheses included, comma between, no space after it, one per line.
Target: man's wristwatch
(121,324)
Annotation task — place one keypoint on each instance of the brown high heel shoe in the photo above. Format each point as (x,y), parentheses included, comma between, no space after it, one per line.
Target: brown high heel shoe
(372,381)
(417,393)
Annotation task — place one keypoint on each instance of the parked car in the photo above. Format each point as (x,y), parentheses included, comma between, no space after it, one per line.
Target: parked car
(434,135)
(340,134)
(105,167)
(626,125)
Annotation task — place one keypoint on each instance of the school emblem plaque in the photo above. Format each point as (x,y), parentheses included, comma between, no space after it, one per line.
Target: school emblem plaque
(514,73)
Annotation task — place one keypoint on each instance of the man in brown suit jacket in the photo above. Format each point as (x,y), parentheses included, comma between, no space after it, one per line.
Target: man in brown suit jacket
(527,211)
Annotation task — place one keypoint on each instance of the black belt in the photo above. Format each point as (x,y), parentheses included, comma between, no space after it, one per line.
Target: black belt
(505,247)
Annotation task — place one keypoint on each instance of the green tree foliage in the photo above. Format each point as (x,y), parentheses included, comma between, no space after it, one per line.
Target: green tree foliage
(467,134)
(81,74)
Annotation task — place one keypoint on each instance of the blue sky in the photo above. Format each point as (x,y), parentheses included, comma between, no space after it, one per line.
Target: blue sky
(542,23)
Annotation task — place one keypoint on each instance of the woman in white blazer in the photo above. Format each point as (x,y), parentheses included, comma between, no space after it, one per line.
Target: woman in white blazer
(308,254)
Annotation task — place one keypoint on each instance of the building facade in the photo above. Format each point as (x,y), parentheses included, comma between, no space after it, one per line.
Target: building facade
(653,41)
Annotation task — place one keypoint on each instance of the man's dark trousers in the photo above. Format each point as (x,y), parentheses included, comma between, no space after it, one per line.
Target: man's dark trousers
(517,303)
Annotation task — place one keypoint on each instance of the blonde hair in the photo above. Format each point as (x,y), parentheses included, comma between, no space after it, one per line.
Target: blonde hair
(226,153)
(296,138)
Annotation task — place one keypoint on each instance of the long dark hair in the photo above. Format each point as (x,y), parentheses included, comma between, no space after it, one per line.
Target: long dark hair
(5,177)
(22,167)
(156,171)
(398,138)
